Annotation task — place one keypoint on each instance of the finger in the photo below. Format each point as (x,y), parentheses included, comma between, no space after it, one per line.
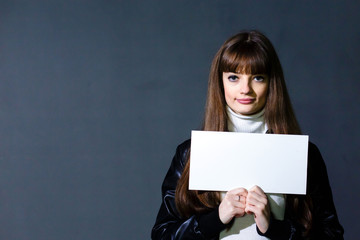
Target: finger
(256,189)
(236,198)
(250,209)
(261,203)
(257,206)
(239,198)
(233,201)
(230,208)
(258,209)
(239,209)
(261,218)
(237,194)
(238,191)
(240,206)
(254,199)
(257,197)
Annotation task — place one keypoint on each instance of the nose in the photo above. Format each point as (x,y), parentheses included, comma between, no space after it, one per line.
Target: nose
(245,86)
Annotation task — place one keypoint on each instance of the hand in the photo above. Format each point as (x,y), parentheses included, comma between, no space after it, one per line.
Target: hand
(258,204)
(233,205)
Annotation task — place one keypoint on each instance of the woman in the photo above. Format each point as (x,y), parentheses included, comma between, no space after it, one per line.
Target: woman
(247,93)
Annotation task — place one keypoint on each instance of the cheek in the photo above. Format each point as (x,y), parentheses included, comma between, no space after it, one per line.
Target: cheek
(262,94)
(264,97)
(229,94)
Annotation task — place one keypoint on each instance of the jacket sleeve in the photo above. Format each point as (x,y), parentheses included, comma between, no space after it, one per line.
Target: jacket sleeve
(169,224)
(325,219)
(326,225)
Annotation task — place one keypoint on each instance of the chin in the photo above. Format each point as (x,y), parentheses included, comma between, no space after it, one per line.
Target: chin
(246,112)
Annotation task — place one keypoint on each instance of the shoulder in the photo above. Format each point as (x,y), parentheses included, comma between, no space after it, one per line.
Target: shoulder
(180,158)
(177,167)
(315,159)
(318,180)
(184,146)
(313,149)
(182,152)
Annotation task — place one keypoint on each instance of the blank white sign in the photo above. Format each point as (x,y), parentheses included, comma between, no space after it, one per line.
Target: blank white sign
(221,161)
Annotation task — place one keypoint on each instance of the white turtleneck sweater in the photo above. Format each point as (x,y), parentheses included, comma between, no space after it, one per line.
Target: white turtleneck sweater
(246,123)
(245,227)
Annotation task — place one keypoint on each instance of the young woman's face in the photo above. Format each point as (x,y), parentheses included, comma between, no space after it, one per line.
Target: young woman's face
(245,94)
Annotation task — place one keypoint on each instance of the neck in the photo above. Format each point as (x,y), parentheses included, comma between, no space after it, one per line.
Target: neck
(246,123)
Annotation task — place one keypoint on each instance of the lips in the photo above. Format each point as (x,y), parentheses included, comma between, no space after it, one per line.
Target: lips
(245,100)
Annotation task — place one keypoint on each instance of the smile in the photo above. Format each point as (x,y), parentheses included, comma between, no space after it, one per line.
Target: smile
(246,100)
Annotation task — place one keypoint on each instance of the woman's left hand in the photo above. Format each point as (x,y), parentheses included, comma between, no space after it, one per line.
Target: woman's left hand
(257,203)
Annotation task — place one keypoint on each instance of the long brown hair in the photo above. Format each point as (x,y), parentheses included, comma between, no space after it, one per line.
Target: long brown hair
(248,52)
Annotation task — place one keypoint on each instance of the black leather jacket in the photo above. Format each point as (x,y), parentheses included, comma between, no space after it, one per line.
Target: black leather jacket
(169,224)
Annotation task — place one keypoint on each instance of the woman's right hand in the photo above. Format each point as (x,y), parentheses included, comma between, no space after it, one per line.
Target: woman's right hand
(233,205)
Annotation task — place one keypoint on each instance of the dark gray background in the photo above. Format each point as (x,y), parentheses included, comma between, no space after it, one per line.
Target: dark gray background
(96,95)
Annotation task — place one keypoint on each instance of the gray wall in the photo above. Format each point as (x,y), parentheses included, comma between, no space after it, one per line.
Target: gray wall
(96,95)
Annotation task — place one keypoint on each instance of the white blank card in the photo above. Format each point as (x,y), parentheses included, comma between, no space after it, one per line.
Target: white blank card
(221,161)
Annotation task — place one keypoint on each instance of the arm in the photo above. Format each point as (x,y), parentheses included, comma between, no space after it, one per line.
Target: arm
(169,224)
(325,221)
